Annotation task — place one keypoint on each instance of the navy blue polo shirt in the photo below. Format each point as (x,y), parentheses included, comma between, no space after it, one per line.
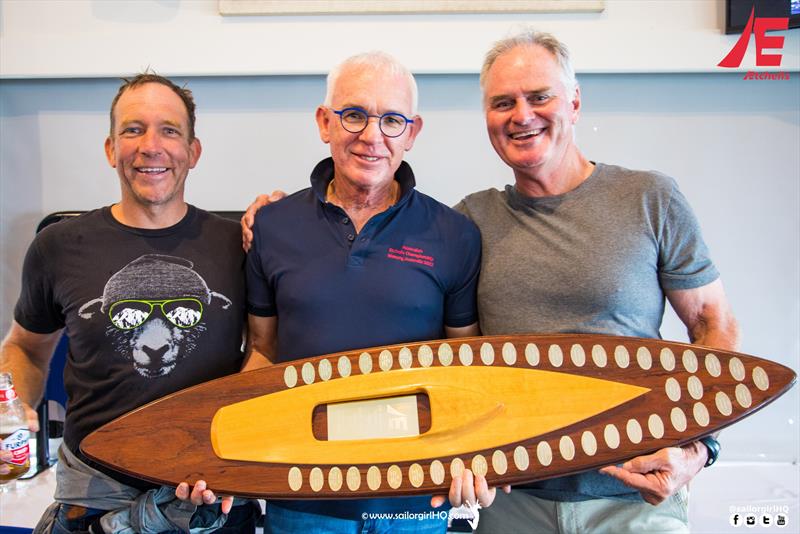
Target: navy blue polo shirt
(410,271)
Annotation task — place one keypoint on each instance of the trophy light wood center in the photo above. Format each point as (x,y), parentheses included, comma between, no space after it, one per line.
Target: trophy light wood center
(471,408)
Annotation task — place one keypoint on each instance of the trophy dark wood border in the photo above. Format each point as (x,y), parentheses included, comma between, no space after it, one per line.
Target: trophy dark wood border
(694,391)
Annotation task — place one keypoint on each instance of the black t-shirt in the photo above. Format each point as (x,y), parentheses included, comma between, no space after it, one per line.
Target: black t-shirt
(147,312)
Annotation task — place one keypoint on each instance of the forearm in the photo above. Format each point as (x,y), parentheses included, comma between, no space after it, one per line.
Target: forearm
(262,342)
(255,360)
(707,315)
(29,376)
(719,330)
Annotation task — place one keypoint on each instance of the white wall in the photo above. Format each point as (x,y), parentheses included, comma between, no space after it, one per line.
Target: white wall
(90,38)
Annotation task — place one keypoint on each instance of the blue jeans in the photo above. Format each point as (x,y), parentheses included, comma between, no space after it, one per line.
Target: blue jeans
(79,520)
(281,520)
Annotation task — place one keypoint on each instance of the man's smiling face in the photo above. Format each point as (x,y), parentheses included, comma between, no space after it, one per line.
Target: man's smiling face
(530,113)
(367,159)
(150,145)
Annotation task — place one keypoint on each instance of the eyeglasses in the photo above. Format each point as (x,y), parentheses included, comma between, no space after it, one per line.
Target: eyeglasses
(129,314)
(355,120)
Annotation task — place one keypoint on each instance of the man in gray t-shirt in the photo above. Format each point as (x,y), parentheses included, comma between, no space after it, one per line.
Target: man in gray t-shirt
(582,247)
(578,246)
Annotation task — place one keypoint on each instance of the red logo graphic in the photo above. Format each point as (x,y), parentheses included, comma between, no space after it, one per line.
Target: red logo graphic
(759,26)
(410,255)
(7,395)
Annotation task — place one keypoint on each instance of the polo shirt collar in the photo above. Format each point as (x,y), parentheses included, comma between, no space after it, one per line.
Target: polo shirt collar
(322,175)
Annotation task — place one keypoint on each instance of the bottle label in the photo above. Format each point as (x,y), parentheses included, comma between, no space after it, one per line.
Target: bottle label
(17,443)
(7,395)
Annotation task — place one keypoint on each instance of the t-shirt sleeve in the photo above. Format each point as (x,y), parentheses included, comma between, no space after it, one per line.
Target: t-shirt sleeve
(461,208)
(461,308)
(37,309)
(684,260)
(260,293)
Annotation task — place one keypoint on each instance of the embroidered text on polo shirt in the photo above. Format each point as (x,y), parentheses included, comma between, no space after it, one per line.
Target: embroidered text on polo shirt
(410,254)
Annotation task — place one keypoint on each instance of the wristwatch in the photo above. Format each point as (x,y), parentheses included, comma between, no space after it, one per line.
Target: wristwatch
(713,449)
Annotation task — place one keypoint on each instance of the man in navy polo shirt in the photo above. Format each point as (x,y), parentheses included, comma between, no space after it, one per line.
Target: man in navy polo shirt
(359,259)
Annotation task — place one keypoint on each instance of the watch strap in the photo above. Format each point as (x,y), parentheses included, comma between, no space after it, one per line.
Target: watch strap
(713,447)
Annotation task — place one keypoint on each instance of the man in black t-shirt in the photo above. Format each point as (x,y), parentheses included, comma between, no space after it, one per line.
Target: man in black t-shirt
(150,292)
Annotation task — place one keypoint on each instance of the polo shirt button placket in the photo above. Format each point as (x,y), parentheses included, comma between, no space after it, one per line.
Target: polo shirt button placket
(356,255)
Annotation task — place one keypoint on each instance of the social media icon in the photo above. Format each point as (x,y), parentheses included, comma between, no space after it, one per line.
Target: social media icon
(781,520)
(735,520)
(750,520)
(766,520)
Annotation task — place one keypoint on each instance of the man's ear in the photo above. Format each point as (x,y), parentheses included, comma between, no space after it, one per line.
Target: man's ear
(324,124)
(576,105)
(109,148)
(90,308)
(414,129)
(226,302)
(195,149)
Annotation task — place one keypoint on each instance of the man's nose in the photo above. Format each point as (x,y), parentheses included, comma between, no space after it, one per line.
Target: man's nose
(150,143)
(523,112)
(372,132)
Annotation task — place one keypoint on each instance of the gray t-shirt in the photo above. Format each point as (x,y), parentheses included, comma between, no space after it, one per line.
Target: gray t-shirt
(594,260)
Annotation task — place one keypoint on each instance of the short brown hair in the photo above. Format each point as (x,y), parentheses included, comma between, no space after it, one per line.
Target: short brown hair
(150,77)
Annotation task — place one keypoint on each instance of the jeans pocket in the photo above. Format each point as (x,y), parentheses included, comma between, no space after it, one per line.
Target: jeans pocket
(79,525)
(680,504)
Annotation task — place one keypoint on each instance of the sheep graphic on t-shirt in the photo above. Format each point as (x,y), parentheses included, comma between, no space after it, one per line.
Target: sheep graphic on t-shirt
(155,310)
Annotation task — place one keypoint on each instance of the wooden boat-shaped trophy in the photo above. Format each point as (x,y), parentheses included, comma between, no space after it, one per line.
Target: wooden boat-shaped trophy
(405,419)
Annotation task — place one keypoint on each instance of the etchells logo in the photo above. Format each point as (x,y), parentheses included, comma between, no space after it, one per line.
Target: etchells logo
(759,26)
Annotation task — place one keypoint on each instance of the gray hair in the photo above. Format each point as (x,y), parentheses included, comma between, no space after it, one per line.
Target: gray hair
(377,60)
(531,37)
